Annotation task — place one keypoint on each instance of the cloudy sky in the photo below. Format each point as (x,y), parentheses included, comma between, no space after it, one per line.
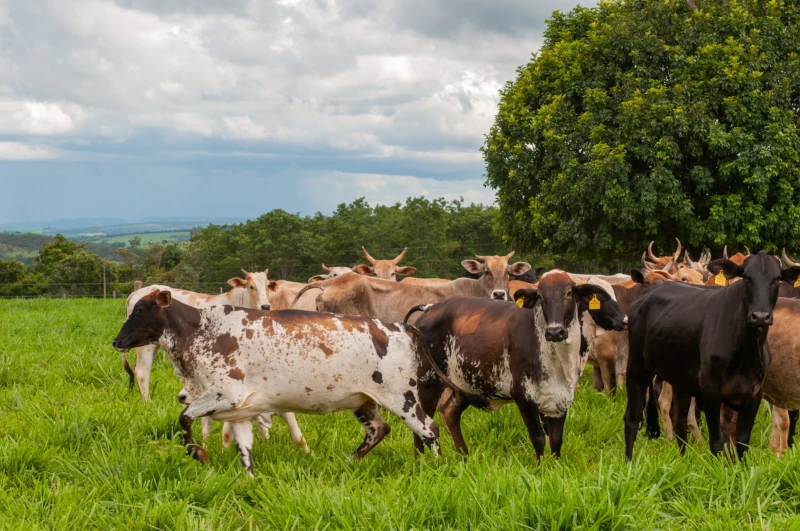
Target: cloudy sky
(134,108)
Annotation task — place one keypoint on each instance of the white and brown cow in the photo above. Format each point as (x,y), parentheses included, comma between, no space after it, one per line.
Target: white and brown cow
(240,363)
(331,272)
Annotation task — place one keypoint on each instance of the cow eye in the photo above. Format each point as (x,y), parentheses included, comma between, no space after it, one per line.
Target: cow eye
(569,293)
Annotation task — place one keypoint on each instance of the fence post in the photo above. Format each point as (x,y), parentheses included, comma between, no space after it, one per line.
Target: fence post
(137,284)
(114,294)
(220,290)
(104,280)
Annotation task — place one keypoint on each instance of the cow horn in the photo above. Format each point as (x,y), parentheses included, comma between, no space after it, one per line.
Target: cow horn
(245,273)
(645,265)
(688,258)
(667,267)
(509,255)
(748,250)
(480,257)
(400,256)
(786,258)
(326,268)
(653,257)
(677,255)
(725,253)
(367,256)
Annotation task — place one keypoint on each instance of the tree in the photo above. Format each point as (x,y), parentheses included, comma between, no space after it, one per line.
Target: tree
(11,271)
(81,273)
(54,252)
(650,119)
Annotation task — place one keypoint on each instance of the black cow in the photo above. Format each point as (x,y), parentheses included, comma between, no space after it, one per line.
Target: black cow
(531,355)
(707,342)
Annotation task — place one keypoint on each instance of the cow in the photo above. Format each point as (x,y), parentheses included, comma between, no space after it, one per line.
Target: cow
(425,281)
(531,355)
(789,290)
(239,363)
(531,276)
(385,269)
(331,272)
(659,262)
(282,294)
(707,343)
(389,300)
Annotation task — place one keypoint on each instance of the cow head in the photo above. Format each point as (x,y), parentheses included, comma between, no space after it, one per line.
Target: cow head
(700,265)
(495,271)
(761,275)
(385,269)
(331,272)
(256,286)
(561,300)
(661,262)
(738,258)
(145,325)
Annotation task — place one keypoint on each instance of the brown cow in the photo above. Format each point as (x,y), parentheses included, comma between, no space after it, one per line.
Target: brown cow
(389,301)
(385,269)
(659,262)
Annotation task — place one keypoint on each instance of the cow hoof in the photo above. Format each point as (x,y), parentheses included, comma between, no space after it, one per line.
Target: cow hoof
(197,452)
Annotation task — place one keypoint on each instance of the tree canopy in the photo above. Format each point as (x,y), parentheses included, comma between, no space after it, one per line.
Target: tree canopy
(650,119)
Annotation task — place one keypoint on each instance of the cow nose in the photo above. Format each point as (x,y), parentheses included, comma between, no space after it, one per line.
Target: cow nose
(114,343)
(265,306)
(499,295)
(760,318)
(555,333)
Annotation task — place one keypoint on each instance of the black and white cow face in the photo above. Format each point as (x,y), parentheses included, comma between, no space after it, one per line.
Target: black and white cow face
(145,324)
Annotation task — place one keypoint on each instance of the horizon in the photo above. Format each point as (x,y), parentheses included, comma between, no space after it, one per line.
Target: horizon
(233,109)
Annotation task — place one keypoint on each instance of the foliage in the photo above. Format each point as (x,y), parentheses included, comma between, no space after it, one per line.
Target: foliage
(80,273)
(79,450)
(649,119)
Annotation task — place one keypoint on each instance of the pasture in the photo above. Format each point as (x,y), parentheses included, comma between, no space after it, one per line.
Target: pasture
(146,237)
(79,450)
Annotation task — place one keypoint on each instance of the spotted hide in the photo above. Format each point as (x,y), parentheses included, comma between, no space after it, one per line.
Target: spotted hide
(531,355)
(240,363)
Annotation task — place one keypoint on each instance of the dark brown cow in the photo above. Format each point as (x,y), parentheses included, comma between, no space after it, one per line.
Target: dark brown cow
(531,355)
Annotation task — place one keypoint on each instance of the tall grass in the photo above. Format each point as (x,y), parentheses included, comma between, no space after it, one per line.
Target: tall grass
(78,450)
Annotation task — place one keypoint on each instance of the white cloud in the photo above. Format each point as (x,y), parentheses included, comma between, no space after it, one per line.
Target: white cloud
(18,151)
(38,118)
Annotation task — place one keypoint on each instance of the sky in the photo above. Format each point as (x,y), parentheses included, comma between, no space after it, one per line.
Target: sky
(231,108)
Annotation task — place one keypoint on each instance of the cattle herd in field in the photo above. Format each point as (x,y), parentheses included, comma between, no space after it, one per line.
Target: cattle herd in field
(688,336)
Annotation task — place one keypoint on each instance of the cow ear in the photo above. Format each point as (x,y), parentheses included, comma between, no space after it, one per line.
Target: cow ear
(317,278)
(526,298)
(363,269)
(540,271)
(519,268)
(406,270)
(272,285)
(791,274)
(163,298)
(726,267)
(237,282)
(591,297)
(473,266)
(637,276)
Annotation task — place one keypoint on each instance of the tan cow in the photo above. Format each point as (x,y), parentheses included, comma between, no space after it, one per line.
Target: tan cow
(331,272)
(282,293)
(659,262)
(385,269)
(388,300)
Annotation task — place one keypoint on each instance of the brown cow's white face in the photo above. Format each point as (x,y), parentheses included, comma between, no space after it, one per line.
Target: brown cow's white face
(385,269)
(496,271)
(255,285)
(688,275)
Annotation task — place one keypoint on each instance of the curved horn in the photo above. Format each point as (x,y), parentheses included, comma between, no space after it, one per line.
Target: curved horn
(786,258)
(725,253)
(645,265)
(245,273)
(509,255)
(688,258)
(653,257)
(480,257)
(748,250)
(667,267)
(677,255)
(326,268)
(367,256)
(400,256)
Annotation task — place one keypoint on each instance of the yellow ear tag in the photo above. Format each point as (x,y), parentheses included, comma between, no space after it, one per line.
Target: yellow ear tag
(797,283)
(314,280)
(521,301)
(594,304)
(720,279)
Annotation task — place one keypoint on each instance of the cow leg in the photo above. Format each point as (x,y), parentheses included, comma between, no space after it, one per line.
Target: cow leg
(243,433)
(376,428)
(452,411)
(792,425)
(227,432)
(681,402)
(728,419)
(530,415)
(665,405)
(207,425)
(555,431)
(207,404)
(264,423)
(608,374)
(744,425)
(294,430)
(144,365)
(639,380)
(694,425)
(779,438)
(597,378)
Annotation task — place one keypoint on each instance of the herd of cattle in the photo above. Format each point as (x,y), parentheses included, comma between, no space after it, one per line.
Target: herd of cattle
(688,336)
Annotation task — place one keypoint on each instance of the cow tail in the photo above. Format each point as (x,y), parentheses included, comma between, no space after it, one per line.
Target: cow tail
(474,400)
(418,308)
(315,285)
(127,367)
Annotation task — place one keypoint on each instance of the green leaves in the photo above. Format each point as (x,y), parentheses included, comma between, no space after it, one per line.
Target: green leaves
(649,120)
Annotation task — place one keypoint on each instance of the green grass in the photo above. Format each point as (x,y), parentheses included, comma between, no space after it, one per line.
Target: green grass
(147,237)
(78,450)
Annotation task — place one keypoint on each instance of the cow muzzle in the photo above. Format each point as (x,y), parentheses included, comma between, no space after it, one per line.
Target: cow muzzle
(759,319)
(118,346)
(499,295)
(555,333)
(265,306)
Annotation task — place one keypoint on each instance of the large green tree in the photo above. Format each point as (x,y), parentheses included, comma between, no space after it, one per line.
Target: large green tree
(649,119)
